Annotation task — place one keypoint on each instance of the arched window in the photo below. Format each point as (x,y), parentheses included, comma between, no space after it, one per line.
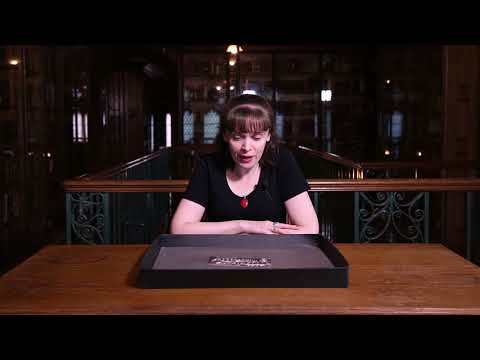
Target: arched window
(279,125)
(211,124)
(80,127)
(396,127)
(188,119)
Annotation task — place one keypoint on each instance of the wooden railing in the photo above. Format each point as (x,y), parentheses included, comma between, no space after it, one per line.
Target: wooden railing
(321,164)
(109,173)
(419,169)
(430,164)
(179,186)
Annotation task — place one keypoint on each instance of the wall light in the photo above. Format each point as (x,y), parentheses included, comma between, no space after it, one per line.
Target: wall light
(326,95)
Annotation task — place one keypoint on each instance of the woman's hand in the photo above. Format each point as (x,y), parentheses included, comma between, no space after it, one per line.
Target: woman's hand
(268,227)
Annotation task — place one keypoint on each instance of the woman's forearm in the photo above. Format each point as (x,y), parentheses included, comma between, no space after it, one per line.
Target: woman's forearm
(309,229)
(302,229)
(221,227)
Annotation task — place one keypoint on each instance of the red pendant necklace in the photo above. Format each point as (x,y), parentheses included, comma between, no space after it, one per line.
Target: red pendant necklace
(244,202)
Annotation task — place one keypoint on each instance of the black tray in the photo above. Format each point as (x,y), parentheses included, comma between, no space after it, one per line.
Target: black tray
(267,261)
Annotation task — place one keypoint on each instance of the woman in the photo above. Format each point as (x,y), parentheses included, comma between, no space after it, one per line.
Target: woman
(251,185)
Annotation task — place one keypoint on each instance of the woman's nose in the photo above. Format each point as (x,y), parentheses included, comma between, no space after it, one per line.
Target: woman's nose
(246,144)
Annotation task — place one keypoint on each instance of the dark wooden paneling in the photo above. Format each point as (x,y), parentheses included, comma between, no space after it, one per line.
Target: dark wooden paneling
(461,106)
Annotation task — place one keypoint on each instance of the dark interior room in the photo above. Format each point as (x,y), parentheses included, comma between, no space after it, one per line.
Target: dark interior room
(98,143)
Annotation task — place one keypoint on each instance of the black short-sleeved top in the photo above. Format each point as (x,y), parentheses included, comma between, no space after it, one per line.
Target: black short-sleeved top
(208,187)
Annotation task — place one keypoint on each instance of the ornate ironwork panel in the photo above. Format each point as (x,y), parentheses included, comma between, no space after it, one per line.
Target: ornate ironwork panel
(88,219)
(391,217)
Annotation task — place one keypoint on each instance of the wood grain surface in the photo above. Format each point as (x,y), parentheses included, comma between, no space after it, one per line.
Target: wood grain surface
(384,279)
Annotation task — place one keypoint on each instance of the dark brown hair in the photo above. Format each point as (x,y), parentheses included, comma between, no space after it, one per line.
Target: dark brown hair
(248,113)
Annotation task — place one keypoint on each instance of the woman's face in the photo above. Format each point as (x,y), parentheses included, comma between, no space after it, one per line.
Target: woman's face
(247,149)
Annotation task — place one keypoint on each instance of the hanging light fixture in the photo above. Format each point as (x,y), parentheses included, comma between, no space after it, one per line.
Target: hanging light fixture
(232,49)
(232,59)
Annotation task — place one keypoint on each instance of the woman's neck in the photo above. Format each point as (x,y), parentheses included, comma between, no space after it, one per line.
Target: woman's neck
(241,173)
(244,183)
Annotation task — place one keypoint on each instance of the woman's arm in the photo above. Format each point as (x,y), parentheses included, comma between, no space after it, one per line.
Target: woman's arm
(187,220)
(301,212)
(188,216)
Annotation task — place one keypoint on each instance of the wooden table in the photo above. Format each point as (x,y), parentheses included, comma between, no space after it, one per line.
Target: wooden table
(384,279)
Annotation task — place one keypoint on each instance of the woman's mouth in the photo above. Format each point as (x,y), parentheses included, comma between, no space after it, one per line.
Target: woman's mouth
(244,159)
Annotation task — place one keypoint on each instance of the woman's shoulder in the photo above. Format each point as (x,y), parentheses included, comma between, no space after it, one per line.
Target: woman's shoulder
(283,151)
(283,155)
(213,160)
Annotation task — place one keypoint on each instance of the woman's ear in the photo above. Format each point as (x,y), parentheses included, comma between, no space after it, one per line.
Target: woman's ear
(268,136)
